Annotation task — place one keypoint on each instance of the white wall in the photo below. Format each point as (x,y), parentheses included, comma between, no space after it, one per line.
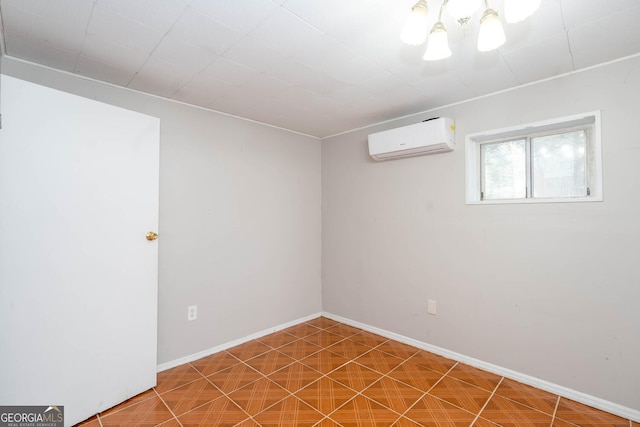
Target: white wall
(549,290)
(239,218)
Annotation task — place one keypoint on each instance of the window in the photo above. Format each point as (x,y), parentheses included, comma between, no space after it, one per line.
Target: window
(553,161)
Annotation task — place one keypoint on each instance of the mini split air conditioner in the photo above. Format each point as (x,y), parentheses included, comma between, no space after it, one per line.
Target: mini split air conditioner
(428,137)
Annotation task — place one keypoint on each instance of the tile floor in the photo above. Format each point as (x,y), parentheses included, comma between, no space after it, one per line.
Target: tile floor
(324,373)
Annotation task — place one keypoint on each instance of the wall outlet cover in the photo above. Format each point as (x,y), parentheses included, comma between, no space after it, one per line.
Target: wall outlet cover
(192,312)
(431,307)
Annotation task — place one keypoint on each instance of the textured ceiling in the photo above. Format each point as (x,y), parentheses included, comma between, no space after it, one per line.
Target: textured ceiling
(319,67)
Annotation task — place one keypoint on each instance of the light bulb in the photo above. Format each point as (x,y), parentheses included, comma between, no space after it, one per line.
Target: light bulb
(518,10)
(438,45)
(491,35)
(415,29)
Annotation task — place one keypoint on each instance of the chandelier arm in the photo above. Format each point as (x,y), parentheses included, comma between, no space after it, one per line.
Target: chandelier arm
(444,3)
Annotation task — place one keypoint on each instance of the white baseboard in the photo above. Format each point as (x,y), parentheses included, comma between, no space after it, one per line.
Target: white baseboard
(587,399)
(221,347)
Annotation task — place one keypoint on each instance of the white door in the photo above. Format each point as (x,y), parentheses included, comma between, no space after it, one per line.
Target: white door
(78,279)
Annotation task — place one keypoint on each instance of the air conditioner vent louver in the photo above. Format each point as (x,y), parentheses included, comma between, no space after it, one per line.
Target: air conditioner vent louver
(428,137)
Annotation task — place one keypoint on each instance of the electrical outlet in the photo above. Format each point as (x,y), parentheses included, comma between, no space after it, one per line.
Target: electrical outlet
(431,307)
(192,312)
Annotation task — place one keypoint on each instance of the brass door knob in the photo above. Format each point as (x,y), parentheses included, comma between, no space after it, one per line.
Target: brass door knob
(151,236)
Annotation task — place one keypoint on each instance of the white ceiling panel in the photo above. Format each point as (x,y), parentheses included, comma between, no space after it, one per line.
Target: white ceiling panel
(321,83)
(324,53)
(200,30)
(240,101)
(354,70)
(614,36)
(326,14)
(442,89)
(356,96)
(418,70)
(161,78)
(127,59)
(202,94)
(287,70)
(483,72)
(242,16)
(39,28)
(47,54)
(175,50)
(554,58)
(73,8)
(208,87)
(383,45)
(545,24)
(285,33)
(264,86)
(317,67)
(226,71)
(157,14)
(579,12)
(394,90)
(120,30)
(251,53)
(296,96)
(109,73)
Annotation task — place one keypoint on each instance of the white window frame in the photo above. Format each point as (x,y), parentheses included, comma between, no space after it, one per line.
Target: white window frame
(594,157)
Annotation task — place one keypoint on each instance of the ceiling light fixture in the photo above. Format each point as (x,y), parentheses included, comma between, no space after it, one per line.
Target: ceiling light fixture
(462,10)
(438,46)
(415,29)
(490,36)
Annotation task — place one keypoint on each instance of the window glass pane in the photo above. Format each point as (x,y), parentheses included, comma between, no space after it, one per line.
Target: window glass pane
(504,170)
(559,165)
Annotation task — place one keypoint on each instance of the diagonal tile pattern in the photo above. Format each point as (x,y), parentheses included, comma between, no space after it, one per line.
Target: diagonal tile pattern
(277,339)
(416,376)
(432,411)
(299,349)
(190,396)
(532,397)
(249,350)
(219,412)
(234,377)
(325,395)
(269,362)
(259,395)
(152,411)
(362,411)
(349,349)
(290,412)
(354,376)
(393,394)
(432,361)
(379,361)
(215,363)
(508,413)
(475,376)
(585,416)
(176,377)
(326,374)
(461,394)
(295,376)
(323,338)
(324,361)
